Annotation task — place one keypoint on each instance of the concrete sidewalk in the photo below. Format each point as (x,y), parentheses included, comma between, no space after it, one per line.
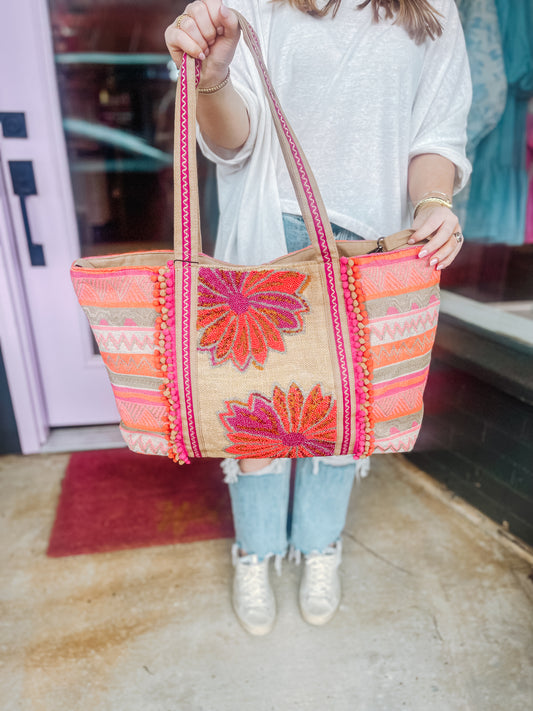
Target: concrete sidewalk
(436,614)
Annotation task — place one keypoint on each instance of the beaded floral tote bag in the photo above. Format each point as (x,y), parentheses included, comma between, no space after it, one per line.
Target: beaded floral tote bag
(321,352)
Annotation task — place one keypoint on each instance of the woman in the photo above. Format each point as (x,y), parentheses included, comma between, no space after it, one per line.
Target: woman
(377,93)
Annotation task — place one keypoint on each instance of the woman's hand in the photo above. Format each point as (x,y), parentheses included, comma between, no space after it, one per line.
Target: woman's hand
(442,227)
(209,31)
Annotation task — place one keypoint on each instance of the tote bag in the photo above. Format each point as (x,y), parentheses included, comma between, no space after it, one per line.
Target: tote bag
(321,352)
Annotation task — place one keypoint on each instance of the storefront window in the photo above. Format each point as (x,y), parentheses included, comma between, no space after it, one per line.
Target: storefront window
(495,266)
(117,89)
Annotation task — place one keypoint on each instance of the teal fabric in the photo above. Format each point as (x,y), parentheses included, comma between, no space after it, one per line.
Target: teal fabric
(498,195)
(483,41)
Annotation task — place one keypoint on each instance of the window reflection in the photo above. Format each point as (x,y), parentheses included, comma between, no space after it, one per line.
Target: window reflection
(117,99)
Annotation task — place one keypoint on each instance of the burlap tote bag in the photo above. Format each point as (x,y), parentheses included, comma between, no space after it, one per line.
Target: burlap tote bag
(321,352)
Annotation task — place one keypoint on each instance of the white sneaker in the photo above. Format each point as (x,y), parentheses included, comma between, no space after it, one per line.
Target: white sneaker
(320,589)
(253,597)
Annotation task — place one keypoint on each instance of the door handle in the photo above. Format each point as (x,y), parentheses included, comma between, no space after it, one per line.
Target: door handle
(23,180)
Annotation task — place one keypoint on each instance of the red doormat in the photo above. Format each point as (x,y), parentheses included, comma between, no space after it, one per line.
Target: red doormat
(116,499)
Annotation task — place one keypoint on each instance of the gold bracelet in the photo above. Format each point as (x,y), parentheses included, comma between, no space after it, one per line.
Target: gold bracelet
(436,193)
(429,201)
(212,89)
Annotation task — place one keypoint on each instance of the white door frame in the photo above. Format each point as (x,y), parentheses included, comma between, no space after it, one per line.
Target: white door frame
(16,340)
(61,372)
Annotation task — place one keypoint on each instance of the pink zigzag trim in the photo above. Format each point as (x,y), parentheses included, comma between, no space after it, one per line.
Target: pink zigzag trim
(326,256)
(404,324)
(144,443)
(111,340)
(405,444)
(397,441)
(186,268)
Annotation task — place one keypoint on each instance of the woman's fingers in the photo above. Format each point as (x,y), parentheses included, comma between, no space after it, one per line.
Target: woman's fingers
(216,12)
(441,228)
(448,260)
(426,224)
(189,42)
(205,25)
(438,241)
(194,33)
(205,29)
(449,251)
(230,23)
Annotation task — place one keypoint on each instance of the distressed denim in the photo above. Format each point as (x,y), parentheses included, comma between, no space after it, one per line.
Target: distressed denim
(260,501)
(260,504)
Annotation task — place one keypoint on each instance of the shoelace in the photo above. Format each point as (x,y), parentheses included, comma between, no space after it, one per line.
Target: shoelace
(253,584)
(320,568)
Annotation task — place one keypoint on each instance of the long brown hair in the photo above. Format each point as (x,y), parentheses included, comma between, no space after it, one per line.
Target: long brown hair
(418,17)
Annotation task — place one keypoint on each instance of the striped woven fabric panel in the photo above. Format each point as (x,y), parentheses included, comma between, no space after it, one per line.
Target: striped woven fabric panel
(119,305)
(397,297)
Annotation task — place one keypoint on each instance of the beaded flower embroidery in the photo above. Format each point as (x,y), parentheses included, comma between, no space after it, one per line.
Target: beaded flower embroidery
(242,315)
(288,425)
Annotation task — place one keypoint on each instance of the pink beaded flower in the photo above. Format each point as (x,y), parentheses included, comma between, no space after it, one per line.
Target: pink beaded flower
(242,315)
(287,425)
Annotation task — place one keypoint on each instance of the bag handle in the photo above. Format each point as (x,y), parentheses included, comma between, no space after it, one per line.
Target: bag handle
(187,235)
(187,238)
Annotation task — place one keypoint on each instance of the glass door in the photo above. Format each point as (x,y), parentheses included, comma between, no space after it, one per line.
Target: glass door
(96,86)
(117,93)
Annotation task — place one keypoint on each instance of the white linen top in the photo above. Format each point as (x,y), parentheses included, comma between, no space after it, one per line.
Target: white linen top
(362,98)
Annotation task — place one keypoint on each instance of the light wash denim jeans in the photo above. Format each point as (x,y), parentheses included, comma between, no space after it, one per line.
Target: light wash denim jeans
(260,502)
(296,235)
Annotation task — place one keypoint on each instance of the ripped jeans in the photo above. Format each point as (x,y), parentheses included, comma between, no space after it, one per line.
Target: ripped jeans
(260,504)
(260,500)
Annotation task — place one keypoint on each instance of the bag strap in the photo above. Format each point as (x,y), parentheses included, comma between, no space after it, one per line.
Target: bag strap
(187,235)
(187,238)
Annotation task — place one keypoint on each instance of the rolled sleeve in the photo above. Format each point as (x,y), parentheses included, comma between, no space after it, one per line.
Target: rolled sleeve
(443,98)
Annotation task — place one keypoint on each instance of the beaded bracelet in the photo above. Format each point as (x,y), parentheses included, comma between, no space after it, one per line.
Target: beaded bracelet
(429,201)
(212,89)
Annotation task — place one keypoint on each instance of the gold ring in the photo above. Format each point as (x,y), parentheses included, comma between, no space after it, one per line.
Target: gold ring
(458,236)
(178,20)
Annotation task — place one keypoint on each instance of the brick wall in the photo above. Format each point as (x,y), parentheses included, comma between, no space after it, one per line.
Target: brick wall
(478,440)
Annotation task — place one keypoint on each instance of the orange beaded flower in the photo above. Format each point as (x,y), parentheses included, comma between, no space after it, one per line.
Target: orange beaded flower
(242,315)
(287,425)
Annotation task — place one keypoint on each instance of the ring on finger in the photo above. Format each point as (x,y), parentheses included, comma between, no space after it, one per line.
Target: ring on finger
(179,20)
(458,237)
